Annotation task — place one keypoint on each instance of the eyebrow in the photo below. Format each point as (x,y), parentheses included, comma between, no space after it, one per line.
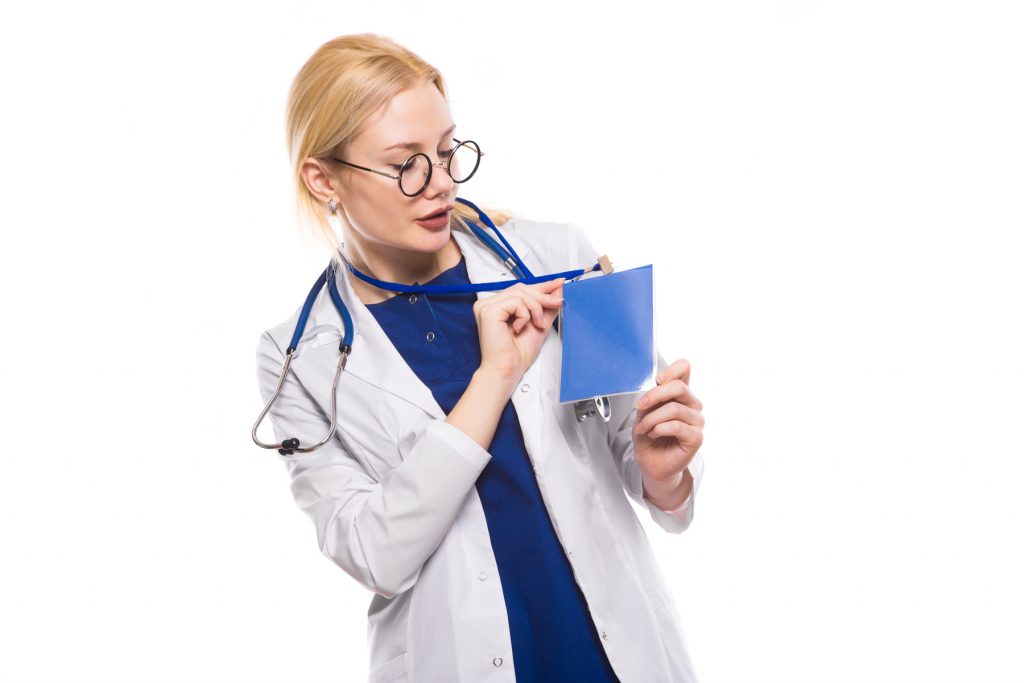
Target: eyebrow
(414,145)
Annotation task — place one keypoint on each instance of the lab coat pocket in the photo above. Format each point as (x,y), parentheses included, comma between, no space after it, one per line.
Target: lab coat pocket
(316,336)
(392,671)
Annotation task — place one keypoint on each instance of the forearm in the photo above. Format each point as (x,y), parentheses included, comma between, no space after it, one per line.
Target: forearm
(670,494)
(478,411)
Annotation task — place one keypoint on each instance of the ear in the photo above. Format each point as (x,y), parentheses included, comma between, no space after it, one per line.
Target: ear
(319,180)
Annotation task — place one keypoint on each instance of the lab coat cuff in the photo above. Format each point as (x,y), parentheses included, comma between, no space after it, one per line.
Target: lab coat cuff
(679,519)
(462,444)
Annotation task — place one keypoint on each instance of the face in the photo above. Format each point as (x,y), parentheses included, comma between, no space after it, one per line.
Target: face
(383,218)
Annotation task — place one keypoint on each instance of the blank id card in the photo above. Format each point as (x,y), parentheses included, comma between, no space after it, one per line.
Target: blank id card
(607,333)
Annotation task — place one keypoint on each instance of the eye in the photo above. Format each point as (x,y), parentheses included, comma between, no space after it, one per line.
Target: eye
(446,152)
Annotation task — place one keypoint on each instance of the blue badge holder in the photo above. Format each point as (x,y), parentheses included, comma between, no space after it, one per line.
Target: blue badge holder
(607,334)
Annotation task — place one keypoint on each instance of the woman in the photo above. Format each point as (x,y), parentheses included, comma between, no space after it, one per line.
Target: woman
(493,527)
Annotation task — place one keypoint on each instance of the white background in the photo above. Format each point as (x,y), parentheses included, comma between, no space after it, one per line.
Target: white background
(830,194)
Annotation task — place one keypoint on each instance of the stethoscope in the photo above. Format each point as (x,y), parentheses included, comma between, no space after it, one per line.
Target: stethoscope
(510,258)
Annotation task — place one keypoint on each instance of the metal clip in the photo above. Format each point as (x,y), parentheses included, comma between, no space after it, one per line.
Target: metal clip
(594,406)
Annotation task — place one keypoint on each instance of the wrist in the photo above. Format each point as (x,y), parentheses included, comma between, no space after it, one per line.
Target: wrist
(495,381)
(668,494)
(495,376)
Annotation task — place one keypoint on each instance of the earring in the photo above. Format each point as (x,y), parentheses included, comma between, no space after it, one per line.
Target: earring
(333,206)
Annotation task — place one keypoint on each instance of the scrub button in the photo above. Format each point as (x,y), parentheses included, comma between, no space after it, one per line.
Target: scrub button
(430,336)
(412,299)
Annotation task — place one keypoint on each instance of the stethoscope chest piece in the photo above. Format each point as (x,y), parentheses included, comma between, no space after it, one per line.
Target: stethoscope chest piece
(594,406)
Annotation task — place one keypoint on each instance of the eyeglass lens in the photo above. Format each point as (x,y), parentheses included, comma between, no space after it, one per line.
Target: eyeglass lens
(461,164)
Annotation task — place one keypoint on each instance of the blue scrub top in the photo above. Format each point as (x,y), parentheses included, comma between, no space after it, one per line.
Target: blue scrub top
(553,635)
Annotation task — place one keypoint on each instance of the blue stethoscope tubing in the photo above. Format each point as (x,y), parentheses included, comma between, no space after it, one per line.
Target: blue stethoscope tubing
(504,251)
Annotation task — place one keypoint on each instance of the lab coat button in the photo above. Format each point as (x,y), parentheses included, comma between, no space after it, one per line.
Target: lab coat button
(430,336)
(525,387)
(604,635)
(482,576)
(497,661)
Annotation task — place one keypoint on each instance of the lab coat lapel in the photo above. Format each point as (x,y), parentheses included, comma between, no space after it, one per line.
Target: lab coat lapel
(483,266)
(527,398)
(374,359)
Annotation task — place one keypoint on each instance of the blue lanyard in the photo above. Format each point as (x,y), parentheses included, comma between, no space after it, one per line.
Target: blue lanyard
(510,258)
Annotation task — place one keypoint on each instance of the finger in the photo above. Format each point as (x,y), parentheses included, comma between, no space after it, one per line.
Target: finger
(548,293)
(537,301)
(550,314)
(522,313)
(667,412)
(686,434)
(680,369)
(676,390)
(552,299)
(549,285)
(536,309)
(530,305)
(510,310)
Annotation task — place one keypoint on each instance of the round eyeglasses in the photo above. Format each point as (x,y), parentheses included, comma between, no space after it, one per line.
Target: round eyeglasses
(414,175)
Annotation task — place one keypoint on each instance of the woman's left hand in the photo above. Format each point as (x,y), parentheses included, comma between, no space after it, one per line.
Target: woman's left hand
(669,427)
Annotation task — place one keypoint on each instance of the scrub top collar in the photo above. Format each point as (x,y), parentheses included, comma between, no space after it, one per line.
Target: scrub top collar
(455,275)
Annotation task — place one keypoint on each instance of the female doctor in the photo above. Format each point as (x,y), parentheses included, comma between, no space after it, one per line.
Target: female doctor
(493,527)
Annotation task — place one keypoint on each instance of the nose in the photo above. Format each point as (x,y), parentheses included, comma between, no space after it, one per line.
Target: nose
(440,181)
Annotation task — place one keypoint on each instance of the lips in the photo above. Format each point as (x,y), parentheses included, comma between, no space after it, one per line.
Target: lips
(444,209)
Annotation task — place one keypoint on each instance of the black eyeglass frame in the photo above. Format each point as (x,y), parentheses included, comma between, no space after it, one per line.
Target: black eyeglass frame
(430,167)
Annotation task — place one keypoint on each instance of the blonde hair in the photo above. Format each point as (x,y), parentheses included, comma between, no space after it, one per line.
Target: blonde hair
(331,99)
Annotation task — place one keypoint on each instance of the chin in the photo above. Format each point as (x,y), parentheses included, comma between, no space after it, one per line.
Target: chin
(437,241)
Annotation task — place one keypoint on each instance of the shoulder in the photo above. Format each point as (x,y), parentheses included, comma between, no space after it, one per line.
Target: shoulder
(270,351)
(274,341)
(559,245)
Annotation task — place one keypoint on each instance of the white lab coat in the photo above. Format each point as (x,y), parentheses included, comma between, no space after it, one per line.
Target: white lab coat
(394,502)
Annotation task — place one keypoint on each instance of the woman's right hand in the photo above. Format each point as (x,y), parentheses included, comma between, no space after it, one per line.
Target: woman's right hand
(512,325)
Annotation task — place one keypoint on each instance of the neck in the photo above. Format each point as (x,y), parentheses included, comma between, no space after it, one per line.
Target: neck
(396,265)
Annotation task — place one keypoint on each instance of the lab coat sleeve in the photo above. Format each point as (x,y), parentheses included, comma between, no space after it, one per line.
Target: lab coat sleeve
(379,531)
(623,417)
